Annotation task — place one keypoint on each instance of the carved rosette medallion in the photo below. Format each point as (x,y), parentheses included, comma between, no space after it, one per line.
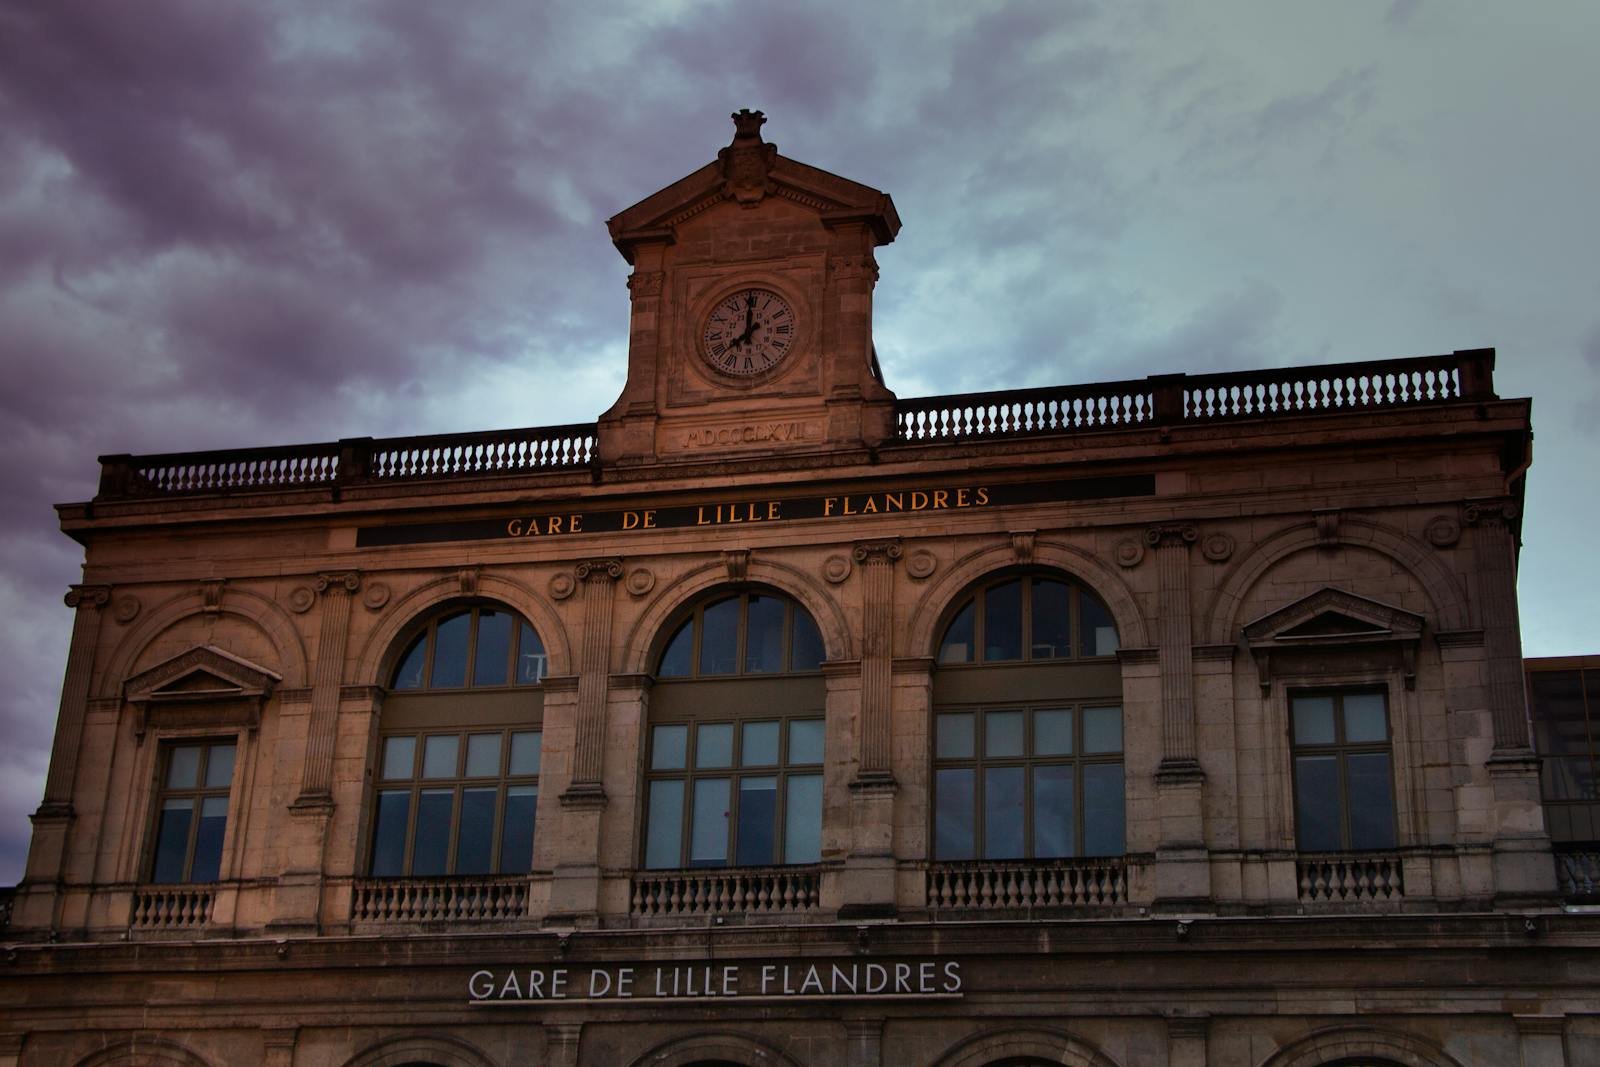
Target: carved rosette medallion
(836,568)
(921,564)
(1129,552)
(375,596)
(1217,547)
(125,608)
(562,585)
(1442,531)
(640,581)
(300,599)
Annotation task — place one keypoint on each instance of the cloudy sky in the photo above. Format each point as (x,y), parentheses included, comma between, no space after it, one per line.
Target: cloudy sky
(227,224)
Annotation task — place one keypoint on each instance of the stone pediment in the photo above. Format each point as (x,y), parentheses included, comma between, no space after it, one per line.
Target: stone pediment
(203,675)
(1332,619)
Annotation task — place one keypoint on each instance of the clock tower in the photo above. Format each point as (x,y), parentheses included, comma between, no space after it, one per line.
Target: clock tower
(751,331)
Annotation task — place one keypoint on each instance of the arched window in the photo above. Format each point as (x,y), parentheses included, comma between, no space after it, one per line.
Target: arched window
(733,767)
(1027,733)
(458,756)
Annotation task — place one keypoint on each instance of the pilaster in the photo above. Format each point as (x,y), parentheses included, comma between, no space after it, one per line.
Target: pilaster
(867,887)
(327,680)
(863,1041)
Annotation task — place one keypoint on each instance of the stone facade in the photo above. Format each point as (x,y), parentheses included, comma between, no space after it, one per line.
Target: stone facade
(1253,537)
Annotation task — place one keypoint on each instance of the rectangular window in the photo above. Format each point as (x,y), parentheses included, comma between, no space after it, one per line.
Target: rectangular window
(192,812)
(1343,771)
(459,803)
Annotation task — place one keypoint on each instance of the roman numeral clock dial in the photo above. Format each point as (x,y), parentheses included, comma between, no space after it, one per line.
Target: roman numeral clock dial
(748,333)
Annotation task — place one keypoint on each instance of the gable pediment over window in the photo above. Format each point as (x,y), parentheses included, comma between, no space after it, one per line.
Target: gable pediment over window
(1333,630)
(205,686)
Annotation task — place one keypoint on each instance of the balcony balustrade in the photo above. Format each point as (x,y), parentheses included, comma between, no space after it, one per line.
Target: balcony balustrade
(1027,885)
(171,907)
(439,900)
(1350,877)
(751,891)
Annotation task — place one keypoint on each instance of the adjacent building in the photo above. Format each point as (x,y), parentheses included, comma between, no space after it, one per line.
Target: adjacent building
(773,718)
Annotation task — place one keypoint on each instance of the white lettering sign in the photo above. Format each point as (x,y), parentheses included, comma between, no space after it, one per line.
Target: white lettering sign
(719,981)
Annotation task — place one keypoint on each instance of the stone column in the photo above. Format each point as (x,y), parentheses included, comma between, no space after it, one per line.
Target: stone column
(863,1041)
(575,882)
(1183,871)
(1523,870)
(868,885)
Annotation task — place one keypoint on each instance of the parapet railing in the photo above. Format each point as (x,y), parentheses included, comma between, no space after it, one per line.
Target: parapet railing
(353,461)
(990,884)
(1350,876)
(1163,400)
(737,890)
(1176,399)
(171,908)
(431,900)
(1578,872)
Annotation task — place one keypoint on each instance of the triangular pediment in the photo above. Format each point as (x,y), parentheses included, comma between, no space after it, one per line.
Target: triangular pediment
(205,672)
(1332,616)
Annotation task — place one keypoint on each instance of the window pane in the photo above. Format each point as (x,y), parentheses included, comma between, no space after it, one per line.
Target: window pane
(1002,733)
(953,819)
(430,846)
(475,842)
(516,832)
(1313,720)
(713,744)
(675,660)
(1102,730)
(802,820)
(1557,707)
(207,865)
(219,766)
(719,636)
(1364,718)
(439,756)
(1002,622)
(483,755)
(760,745)
(1002,813)
(708,834)
(669,747)
(805,741)
(1052,732)
(172,840)
(1316,803)
(664,844)
(409,675)
(1568,778)
(1103,833)
(525,745)
(450,653)
(493,656)
(399,757)
(808,651)
(389,833)
(763,637)
(758,821)
(531,662)
(183,769)
(1371,800)
(953,735)
(1051,626)
(957,644)
(1099,629)
(1054,817)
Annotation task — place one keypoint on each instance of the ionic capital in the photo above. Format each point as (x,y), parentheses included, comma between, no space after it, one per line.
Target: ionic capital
(338,582)
(1172,534)
(88,596)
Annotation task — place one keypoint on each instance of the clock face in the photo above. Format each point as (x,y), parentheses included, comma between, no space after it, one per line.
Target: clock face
(749,332)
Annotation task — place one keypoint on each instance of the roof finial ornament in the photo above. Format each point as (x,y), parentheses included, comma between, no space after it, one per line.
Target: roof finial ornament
(748,160)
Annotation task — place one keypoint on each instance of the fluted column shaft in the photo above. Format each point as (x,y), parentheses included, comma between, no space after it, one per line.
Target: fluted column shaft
(599,579)
(1176,637)
(1495,547)
(88,600)
(877,594)
(327,677)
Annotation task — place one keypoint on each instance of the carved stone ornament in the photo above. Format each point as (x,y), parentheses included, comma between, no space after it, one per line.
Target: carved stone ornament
(375,596)
(1129,552)
(876,551)
(1442,531)
(640,581)
(598,570)
(1314,631)
(1182,534)
(1327,523)
(1217,547)
(851,267)
(468,579)
(301,597)
(125,608)
(921,564)
(94,596)
(737,561)
(1022,546)
(203,687)
(562,585)
(747,161)
(646,282)
(1491,513)
(211,596)
(836,568)
(349,581)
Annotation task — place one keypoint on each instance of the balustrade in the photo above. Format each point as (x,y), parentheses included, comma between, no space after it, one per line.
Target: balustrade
(1578,872)
(171,908)
(1350,877)
(437,900)
(747,890)
(987,884)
